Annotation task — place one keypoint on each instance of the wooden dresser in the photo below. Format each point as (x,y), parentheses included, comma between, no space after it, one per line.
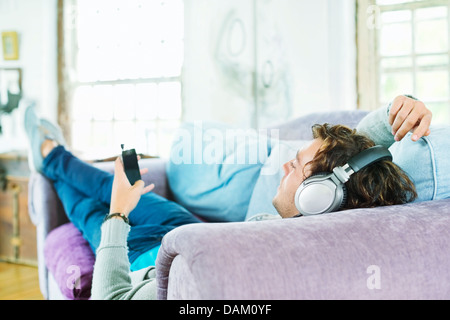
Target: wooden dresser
(17,232)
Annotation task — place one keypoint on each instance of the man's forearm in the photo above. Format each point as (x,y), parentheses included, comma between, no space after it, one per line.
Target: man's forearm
(376,126)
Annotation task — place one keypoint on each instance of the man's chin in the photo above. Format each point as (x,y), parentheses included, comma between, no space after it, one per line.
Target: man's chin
(276,206)
(283,211)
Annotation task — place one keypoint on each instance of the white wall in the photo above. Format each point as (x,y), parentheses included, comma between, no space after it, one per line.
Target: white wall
(311,44)
(35,22)
(343,54)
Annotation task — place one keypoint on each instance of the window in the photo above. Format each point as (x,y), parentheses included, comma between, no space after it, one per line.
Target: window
(403,48)
(122,71)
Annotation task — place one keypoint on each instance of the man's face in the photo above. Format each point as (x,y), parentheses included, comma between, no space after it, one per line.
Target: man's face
(294,174)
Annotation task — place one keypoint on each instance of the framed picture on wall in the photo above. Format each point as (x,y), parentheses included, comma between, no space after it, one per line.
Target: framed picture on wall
(10,43)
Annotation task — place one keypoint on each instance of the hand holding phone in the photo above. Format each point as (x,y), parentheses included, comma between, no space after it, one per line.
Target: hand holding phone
(130,165)
(124,197)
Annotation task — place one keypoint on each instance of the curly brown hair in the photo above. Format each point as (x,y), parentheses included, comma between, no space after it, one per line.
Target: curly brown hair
(380,184)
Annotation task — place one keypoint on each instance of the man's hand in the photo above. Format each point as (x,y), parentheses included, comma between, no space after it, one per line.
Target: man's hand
(406,115)
(124,196)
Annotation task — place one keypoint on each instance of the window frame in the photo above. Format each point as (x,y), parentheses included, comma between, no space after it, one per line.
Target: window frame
(369,57)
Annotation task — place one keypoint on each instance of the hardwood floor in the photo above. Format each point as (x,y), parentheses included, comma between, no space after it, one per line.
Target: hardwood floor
(18,282)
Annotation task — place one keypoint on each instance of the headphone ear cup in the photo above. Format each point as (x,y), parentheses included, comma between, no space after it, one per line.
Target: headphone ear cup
(316,194)
(320,194)
(344,197)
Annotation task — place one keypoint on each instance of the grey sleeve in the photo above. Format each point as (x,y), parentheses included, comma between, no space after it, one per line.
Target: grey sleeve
(376,126)
(112,279)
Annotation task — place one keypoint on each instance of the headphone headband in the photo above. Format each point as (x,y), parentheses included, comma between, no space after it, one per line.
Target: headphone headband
(369,156)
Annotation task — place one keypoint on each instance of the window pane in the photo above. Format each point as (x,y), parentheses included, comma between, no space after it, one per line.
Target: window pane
(148,63)
(146,101)
(432,60)
(123,102)
(82,103)
(146,137)
(81,137)
(169,100)
(101,134)
(91,140)
(432,85)
(396,16)
(395,39)
(431,13)
(431,36)
(115,42)
(125,132)
(387,63)
(171,59)
(393,84)
(102,102)
(441,112)
(152,143)
(172,19)
(89,68)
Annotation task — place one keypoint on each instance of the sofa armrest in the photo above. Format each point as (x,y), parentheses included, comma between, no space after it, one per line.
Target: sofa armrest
(44,206)
(47,213)
(397,252)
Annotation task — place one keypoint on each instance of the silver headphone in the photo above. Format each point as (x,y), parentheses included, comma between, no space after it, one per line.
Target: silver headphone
(326,192)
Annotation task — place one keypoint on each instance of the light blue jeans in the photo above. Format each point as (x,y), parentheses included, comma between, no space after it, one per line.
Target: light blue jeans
(427,162)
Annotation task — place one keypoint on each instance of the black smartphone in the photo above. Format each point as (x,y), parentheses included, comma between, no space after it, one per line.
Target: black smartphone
(130,164)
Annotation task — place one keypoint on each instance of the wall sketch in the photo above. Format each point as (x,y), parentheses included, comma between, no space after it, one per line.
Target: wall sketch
(10,90)
(251,61)
(275,79)
(232,54)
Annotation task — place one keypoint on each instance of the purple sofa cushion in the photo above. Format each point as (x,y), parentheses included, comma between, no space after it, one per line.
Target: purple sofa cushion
(70,260)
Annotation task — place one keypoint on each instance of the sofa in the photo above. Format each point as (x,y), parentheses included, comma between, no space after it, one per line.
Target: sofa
(396,252)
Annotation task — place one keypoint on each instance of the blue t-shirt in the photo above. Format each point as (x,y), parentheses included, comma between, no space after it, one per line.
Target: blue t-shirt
(146,259)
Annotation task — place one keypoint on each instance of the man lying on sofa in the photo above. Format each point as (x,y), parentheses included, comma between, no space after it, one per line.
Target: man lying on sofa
(138,219)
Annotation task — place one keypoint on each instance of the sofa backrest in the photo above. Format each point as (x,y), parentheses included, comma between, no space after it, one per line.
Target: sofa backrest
(300,128)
